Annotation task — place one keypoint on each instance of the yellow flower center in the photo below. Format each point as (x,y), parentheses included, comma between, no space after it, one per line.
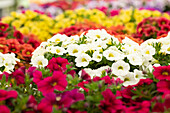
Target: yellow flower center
(54,84)
(98,36)
(126,79)
(84,60)
(75,51)
(168,49)
(57,50)
(165,73)
(98,57)
(147,52)
(40,63)
(111,55)
(120,67)
(28,53)
(1,50)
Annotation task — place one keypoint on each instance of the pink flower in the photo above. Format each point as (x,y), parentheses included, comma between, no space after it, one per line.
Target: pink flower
(57,64)
(33,42)
(19,77)
(110,104)
(4,109)
(162,72)
(163,86)
(19,36)
(37,76)
(4,95)
(85,76)
(3,27)
(114,12)
(56,81)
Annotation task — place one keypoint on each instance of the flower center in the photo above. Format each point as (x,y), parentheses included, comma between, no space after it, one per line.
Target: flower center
(147,52)
(98,36)
(57,40)
(54,84)
(84,60)
(75,51)
(165,73)
(28,53)
(40,63)
(98,57)
(126,79)
(168,49)
(111,55)
(57,50)
(120,67)
(137,76)
(1,50)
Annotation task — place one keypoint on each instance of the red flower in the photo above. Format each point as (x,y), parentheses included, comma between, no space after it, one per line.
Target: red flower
(85,76)
(3,41)
(143,107)
(12,42)
(14,49)
(165,28)
(4,109)
(4,49)
(110,104)
(19,36)
(158,108)
(162,21)
(3,34)
(4,95)
(27,52)
(33,42)
(162,72)
(146,81)
(3,27)
(161,33)
(163,86)
(56,81)
(81,84)
(19,77)
(37,76)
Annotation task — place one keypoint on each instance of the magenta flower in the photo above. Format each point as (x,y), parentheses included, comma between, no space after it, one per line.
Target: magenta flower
(37,76)
(85,76)
(4,95)
(164,87)
(31,70)
(162,72)
(57,64)
(110,104)
(56,81)
(19,77)
(4,109)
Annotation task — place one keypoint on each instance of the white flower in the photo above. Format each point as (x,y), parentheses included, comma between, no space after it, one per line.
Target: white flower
(148,52)
(39,61)
(97,34)
(101,70)
(57,50)
(129,79)
(57,38)
(112,55)
(2,59)
(129,42)
(82,60)
(100,44)
(165,48)
(138,75)
(73,49)
(135,59)
(120,68)
(97,56)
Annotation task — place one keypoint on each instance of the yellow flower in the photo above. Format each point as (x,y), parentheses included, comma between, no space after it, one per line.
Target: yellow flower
(166,15)
(130,27)
(30,14)
(156,13)
(17,23)
(24,30)
(7,19)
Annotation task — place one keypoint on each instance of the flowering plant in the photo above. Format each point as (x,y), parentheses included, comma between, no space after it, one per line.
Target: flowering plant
(30,22)
(97,50)
(152,27)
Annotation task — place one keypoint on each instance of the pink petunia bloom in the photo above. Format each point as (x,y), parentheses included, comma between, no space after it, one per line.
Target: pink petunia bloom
(57,64)
(56,81)
(19,77)
(4,109)
(3,27)
(37,76)
(30,71)
(110,104)
(4,95)
(163,86)
(162,72)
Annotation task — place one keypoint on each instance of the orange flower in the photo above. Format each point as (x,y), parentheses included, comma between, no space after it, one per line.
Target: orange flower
(27,52)
(3,41)
(14,49)
(12,42)
(3,49)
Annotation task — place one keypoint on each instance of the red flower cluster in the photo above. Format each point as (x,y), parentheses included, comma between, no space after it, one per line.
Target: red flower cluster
(152,27)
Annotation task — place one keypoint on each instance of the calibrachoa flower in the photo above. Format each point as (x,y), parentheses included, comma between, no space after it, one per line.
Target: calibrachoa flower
(4,109)
(56,81)
(162,72)
(110,103)
(163,86)
(4,95)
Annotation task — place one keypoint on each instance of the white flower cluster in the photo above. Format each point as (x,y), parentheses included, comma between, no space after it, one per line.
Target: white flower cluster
(99,45)
(7,61)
